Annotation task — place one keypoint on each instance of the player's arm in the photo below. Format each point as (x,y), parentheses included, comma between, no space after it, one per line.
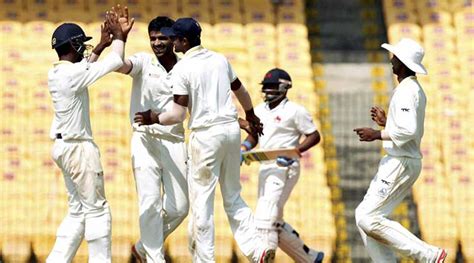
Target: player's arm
(176,114)
(309,141)
(405,123)
(105,41)
(91,72)
(126,68)
(244,99)
(249,143)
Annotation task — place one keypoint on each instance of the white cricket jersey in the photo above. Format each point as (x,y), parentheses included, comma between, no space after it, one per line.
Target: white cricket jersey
(205,76)
(68,85)
(152,89)
(283,125)
(405,120)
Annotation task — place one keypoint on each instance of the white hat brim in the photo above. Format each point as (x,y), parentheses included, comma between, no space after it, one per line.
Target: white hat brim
(415,67)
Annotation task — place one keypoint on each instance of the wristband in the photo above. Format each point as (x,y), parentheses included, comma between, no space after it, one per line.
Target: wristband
(247,145)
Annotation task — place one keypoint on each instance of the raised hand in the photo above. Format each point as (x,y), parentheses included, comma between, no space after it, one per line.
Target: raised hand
(105,38)
(378,115)
(124,19)
(111,20)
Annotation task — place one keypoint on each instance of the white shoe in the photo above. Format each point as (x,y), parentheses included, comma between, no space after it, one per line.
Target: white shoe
(441,256)
(139,253)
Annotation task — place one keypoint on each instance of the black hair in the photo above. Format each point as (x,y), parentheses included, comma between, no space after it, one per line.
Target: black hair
(194,42)
(64,49)
(158,22)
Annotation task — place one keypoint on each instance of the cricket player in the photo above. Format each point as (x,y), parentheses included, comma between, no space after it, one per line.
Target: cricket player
(399,169)
(74,150)
(284,123)
(159,156)
(202,82)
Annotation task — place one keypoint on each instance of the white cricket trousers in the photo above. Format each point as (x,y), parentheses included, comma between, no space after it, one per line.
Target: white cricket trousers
(88,211)
(215,158)
(159,164)
(390,185)
(275,184)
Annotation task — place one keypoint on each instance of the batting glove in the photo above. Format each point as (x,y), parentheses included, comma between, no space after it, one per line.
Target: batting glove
(283,161)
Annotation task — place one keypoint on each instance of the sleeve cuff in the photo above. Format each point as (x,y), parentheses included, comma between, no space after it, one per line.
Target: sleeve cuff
(384,135)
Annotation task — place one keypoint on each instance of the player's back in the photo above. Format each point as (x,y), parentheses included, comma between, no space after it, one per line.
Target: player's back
(70,101)
(68,85)
(208,77)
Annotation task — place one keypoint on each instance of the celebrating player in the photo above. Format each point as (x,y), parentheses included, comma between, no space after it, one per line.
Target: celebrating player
(400,168)
(203,81)
(74,150)
(284,122)
(158,152)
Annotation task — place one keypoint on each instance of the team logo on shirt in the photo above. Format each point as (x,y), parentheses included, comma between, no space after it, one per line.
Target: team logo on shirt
(277,119)
(405,109)
(153,75)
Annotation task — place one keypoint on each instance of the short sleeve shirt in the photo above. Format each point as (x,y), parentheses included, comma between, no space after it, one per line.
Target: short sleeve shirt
(284,124)
(205,76)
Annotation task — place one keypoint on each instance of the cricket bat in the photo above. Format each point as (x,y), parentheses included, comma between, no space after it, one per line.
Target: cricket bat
(265,155)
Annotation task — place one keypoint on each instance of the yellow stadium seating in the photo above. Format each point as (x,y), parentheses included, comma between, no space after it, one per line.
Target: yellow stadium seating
(198,14)
(249,39)
(290,16)
(397,16)
(435,17)
(41,10)
(402,5)
(258,14)
(75,11)
(292,30)
(433,5)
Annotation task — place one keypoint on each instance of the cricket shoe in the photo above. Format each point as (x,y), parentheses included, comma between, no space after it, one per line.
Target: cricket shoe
(139,253)
(318,256)
(441,256)
(267,256)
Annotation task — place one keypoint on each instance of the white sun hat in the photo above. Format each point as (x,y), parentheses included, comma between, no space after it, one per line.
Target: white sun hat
(410,53)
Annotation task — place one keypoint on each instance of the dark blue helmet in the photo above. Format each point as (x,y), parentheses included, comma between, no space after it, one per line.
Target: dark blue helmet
(68,32)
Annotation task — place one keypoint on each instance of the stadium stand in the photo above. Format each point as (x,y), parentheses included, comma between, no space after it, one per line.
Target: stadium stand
(253,39)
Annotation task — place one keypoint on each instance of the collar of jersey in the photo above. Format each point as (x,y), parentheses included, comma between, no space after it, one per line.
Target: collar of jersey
(282,103)
(60,62)
(193,51)
(412,78)
(156,62)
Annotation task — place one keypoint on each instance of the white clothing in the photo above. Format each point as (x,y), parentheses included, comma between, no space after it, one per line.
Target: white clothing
(79,159)
(68,85)
(283,125)
(206,77)
(152,89)
(159,164)
(405,120)
(159,157)
(214,152)
(397,172)
(390,185)
(88,211)
(214,158)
